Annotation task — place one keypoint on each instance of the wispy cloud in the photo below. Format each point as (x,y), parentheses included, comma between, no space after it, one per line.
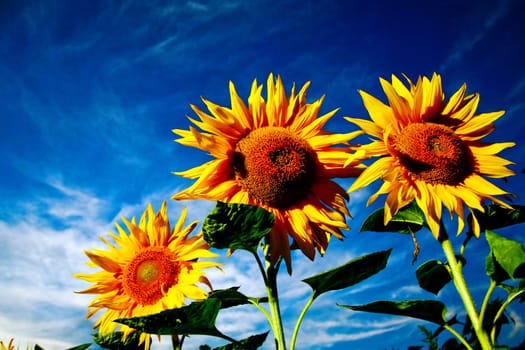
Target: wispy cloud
(469,39)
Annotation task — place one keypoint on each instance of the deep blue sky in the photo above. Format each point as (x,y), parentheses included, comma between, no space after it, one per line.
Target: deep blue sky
(90,91)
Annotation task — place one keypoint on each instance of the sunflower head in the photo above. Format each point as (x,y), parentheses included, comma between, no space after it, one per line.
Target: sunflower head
(273,152)
(430,149)
(148,268)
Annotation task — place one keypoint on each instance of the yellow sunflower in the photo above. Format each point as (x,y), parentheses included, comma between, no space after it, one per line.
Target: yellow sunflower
(9,346)
(429,150)
(275,154)
(150,269)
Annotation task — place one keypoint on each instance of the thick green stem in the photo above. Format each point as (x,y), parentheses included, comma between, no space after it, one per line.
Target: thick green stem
(456,273)
(273,301)
(300,320)
(270,282)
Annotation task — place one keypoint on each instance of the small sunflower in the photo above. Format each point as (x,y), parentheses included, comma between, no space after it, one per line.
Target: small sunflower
(9,345)
(150,269)
(276,155)
(430,150)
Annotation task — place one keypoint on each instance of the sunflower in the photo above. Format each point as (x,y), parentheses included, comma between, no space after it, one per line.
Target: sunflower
(9,346)
(150,269)
(430,150)
(276,155)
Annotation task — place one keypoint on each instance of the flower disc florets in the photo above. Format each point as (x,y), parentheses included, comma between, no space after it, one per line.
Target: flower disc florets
(275,166)
(433,153)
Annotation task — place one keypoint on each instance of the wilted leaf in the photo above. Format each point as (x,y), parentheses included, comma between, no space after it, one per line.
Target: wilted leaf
(351,273)
(433,276)
(237,226)
(428,310)
(407,219)
(509,254)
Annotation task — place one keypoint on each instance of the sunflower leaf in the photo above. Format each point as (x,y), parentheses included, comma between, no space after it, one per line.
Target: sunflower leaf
(407,219)
(432,276)
(496,216)
(195,318)
(251,343)
(114,341)
(428,310)
(507,254)
(80,347)
(352,272)
(232,297)
(237,226)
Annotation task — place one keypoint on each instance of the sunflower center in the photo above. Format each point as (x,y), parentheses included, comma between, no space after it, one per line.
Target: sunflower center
(434,153)
(149,276)
(275,166)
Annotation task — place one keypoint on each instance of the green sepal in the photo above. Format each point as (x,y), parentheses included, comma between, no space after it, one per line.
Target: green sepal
(352,272)
(237,226)
(496,216)
(251,343)
(408,219)
(507,254)
(428,310)
(114,341)
(432,276)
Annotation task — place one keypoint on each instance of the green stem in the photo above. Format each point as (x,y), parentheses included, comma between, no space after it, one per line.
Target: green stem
(486,300)
(262,310)
(176,342)
(500,312)
(300,320)
(270,282)
(457,335)
(456,273)
(273,301)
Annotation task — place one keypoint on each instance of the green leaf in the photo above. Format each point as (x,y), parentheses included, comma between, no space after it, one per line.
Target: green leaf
(232,297)
(38,347)
(195,318)
(509,254)
(496,216)
(351,273)
(251,343)
(407,219)
(113,341)
(80,347)
(494,269)
(428,310)
(237,226)
(432,276)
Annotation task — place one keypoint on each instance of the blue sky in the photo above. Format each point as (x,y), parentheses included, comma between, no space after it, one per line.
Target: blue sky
(91,90)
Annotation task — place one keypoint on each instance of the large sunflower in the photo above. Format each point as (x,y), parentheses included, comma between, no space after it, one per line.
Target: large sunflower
(429,150)
(150,269)
(274,154)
